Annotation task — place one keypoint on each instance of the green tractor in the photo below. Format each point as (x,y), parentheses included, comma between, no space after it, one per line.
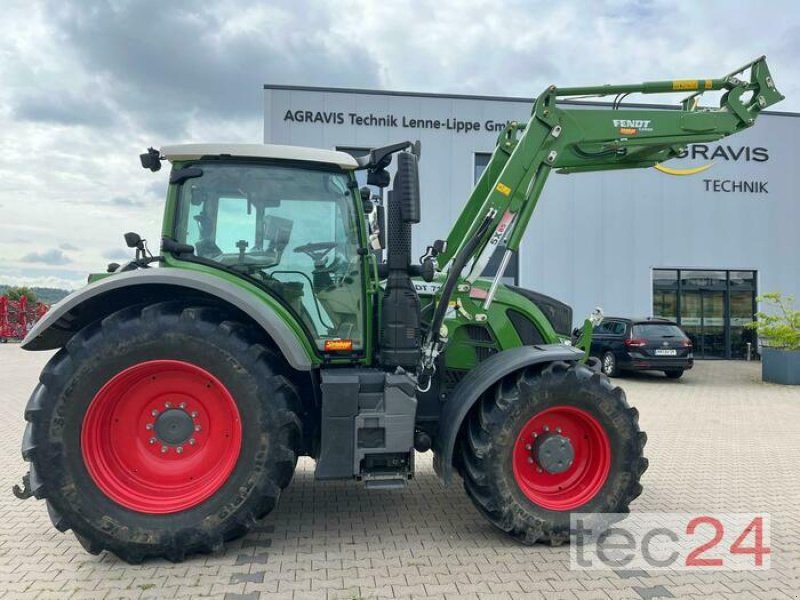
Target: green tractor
(186,385)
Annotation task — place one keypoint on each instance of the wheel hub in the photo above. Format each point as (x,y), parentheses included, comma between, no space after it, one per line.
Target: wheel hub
(174,426)
(554,453)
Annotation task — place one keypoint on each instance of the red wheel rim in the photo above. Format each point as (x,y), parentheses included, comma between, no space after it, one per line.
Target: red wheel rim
(583,478)
(161,436)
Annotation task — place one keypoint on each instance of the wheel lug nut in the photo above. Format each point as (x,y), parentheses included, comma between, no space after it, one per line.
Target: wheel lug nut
(194,414)
(164,449)
(539,470)
(528,447)
(558,429)
(197,428)
(154,412)
(192,441)
(149,426)
(530,459)
(167,404)
(546,428)
(535,434)
(182,405)
(179,449)
(152,440)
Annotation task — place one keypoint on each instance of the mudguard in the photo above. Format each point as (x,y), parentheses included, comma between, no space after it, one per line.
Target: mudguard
(67,317)
(475,383)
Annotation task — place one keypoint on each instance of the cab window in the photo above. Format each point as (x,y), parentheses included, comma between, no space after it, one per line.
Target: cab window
(293,229)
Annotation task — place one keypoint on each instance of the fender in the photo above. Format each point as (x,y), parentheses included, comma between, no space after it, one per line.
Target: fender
(112,293)
(475,383)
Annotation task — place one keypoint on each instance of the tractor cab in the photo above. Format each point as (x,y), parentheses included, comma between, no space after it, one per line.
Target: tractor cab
(292,221)
(287,219)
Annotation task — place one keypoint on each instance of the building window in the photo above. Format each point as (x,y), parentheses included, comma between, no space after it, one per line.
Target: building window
(712,306)
(481,162)
(511,276)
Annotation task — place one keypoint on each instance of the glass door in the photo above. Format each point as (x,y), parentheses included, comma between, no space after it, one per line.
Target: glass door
(713,325)
(703,319)
(713,306)
(742,309)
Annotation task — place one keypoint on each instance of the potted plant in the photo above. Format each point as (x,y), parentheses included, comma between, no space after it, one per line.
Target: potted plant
(779,332)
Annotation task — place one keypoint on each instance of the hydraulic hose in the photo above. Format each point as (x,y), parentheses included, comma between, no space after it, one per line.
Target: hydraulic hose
(459,262)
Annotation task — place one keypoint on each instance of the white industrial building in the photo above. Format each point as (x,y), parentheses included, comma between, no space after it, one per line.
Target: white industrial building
(695,248)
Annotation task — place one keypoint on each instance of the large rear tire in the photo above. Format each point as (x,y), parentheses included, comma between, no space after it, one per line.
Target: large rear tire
(543,444)
(161,432)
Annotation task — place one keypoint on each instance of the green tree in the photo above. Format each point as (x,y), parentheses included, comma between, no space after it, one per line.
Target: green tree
(780,328)
(15,293)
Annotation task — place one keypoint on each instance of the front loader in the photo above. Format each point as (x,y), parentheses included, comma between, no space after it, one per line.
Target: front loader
(187,384)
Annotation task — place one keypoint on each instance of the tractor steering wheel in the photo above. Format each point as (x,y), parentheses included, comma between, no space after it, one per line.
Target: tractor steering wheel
(317,251)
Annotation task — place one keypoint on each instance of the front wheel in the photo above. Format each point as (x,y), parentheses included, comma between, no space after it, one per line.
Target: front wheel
(549,443)
(674,373)
(161,432)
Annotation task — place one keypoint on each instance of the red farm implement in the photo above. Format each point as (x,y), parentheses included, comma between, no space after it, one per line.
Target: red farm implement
(18,316)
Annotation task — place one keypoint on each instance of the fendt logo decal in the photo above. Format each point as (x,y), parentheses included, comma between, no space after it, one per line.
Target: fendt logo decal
(632,126)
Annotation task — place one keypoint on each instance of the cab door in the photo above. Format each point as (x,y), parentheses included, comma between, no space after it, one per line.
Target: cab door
(296,231)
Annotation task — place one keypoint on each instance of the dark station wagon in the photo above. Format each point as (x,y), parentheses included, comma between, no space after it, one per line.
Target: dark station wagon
(649,344)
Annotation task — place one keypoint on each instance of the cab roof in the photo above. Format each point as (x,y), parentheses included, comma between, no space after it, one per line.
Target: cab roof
(195,151)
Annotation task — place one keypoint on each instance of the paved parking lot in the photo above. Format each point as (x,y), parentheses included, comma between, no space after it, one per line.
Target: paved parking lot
(719,441)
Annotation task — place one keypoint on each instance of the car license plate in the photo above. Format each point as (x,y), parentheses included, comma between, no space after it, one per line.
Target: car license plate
(662,352)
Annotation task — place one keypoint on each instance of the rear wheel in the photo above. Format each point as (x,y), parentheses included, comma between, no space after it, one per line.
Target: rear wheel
(161,432)
(674,373)
(544,444)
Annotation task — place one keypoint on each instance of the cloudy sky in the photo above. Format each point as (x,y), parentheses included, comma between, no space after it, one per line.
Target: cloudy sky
(85,86)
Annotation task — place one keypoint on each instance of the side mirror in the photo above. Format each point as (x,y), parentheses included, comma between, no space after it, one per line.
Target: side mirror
(379,177)
(406,187)
(133,240)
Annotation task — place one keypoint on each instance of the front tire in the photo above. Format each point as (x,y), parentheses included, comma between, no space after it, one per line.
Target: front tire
(674,373)
(161,432)
(507,438)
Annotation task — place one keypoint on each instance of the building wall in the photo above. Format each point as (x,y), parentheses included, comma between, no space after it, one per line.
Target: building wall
(595,237)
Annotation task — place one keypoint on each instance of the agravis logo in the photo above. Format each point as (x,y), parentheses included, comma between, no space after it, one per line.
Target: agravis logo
(682,172)
(726,153)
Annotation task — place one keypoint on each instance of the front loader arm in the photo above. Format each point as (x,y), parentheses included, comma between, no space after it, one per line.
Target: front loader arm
(573,140)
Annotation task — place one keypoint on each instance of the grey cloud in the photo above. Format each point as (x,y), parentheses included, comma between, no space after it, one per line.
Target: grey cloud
(68,246)
(48,257)
(166,61)
(157,189)
(125,201)
(63,109)
(117,254)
